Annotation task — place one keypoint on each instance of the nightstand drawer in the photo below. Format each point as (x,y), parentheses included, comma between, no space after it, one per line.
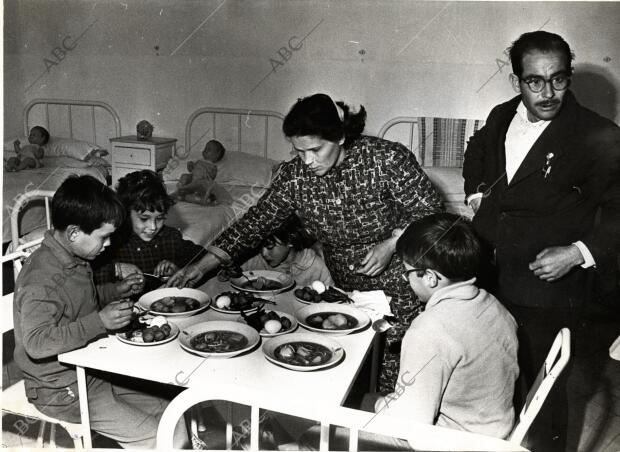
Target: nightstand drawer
(132,155)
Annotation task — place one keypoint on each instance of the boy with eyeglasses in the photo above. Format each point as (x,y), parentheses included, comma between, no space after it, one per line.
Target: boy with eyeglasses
(458,361)
(538,175)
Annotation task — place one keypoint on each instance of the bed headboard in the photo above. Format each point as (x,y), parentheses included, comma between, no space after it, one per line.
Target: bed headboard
(88,120)
(257,132)
(435,141)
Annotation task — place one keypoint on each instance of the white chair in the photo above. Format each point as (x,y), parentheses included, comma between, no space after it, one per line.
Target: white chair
(420,436)
(14,399)
(554,364)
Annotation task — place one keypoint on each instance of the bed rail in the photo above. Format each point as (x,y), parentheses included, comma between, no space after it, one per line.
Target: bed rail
(242,117)
(21,250)
(411,120)
(69,103)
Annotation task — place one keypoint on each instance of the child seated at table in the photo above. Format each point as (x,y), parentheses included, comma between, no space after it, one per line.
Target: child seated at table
(458,362)
(288,250)
(57,309)
(144,241)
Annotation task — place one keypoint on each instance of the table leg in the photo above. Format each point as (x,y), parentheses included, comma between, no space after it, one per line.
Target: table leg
(374,363)
(83,392)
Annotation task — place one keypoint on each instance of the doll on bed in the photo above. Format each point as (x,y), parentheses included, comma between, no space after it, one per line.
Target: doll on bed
(29,155)
(199,186)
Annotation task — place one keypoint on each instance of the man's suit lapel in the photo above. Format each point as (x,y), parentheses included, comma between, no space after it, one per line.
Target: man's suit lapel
(551,141)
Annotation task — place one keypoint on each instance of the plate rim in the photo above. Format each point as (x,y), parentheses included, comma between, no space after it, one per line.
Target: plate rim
(303,337)
(173,336)
(274,291)
(334,332)
(218,355)
(204,307)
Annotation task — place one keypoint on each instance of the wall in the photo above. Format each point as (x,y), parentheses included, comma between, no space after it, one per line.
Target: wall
(160,60)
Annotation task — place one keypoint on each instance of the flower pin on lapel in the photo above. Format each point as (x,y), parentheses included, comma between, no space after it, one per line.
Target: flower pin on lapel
(547,168)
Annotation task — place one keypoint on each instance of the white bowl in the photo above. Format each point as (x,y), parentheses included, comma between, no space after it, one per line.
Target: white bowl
(174,332)
(286,280)
(149,298)
(319,308)
(270,346)
(218,325)
(264,332)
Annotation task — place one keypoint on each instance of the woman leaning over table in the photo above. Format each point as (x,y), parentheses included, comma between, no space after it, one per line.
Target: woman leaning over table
(355,193)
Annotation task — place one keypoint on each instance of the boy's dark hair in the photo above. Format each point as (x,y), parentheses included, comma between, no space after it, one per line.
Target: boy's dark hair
(293,232)
(444,242)
(44,132)
(143,190)
(87,203)
(317,115)
(543,41)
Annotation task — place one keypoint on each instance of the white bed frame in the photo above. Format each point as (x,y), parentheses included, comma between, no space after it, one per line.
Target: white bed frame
(242,116)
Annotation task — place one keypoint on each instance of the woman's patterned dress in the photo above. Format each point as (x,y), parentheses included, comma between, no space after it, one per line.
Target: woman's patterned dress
(378,187)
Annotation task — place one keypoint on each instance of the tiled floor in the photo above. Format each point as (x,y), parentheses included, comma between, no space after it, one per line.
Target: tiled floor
(594,393)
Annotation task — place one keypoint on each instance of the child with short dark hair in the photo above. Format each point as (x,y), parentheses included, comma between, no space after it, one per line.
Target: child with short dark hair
(57,309)
(145,241)
(289,250)
(458,362)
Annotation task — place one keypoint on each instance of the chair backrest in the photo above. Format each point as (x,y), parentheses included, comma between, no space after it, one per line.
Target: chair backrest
(554,364)
(420,436)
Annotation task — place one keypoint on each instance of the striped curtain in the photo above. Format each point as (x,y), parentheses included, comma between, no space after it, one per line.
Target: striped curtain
(442,141)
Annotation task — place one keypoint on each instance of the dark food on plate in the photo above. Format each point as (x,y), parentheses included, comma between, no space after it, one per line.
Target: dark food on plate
(331,321)
(260,319)
(303,353)
(219,341)
(139,332)
(262,283)
(237,301)
(175,304)
(330,295)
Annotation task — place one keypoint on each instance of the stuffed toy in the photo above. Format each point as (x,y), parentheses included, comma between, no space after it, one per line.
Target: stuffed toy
(199,186)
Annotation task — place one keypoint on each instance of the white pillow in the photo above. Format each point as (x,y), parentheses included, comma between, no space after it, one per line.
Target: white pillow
(66,147)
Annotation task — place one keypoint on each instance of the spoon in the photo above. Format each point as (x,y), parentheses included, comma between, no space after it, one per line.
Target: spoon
(161,278)
(383,324)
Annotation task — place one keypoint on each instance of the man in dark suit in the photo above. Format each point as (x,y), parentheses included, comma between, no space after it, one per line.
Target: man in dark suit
(543,178)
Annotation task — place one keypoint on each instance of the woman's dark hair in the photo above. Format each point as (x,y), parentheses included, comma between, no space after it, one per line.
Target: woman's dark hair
(143,190)
(317,115)
(43,131)
(541,41)
(292,232)
(444,242)
(87,203)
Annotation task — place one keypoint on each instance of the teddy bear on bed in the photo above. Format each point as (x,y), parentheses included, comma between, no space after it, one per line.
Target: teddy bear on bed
(31,154)
(199,186)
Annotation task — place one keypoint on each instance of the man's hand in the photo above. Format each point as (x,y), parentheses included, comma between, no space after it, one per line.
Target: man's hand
(378,258)
(186,277)
(116,314)
(554,262)
(131,285)
(165,268)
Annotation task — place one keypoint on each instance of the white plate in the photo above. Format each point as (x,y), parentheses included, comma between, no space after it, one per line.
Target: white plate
(174,332)
(286,280)
(264,333)
(316,308)
(149,298)
(231,311)
(218,325)
(270,346)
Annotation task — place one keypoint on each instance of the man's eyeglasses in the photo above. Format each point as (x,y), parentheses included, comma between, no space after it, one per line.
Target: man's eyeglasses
(558,82)
(418,271)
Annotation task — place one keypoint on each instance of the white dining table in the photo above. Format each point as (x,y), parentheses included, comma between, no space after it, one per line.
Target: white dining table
(170,364)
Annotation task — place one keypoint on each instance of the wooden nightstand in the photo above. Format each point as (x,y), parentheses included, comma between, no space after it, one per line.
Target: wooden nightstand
(130,154)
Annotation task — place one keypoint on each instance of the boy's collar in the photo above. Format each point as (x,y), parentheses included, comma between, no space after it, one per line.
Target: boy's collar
(467,289)
(62,253)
